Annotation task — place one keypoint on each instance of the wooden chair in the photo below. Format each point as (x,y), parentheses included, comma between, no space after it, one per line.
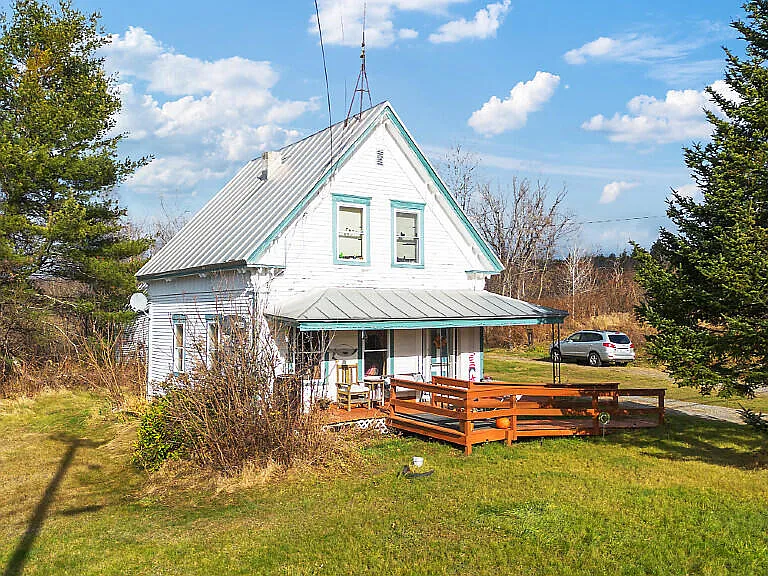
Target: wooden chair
(348,392)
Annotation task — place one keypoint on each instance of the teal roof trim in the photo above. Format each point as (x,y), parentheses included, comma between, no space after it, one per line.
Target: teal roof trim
(390,115)
(299,208)
(415,324)
(485,248)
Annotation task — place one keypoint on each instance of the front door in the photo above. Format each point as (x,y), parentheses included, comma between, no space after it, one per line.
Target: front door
(439,351)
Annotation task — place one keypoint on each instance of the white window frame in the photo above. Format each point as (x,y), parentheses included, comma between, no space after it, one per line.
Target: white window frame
(178,357)
(359,202)
(212,348)
(401,207)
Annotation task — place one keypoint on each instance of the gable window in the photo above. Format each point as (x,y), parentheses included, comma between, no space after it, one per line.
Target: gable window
(351,241)
(408,234)
(179,321)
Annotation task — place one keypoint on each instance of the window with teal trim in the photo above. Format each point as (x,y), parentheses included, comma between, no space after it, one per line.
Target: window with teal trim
(408,234)
(351,240)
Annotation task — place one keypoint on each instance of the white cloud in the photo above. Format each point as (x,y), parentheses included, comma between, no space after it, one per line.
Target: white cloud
(578,169)
(628,48)
(612,190)
(484,25)
(342,20)
(197,117)
(688,191)
(617,238)
(678,117)
(497,116)
(686,73)
(173,173)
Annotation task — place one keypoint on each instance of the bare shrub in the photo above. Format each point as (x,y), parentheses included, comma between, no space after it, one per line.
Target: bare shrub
(233,409)
(86,363)
(121,378)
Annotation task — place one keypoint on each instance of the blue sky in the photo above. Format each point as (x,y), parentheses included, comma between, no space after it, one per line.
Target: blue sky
(595,96)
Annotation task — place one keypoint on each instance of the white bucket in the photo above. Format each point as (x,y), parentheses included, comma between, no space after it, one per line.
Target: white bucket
(417,461)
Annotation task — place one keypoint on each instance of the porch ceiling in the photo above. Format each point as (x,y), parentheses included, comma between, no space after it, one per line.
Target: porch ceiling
(371,308)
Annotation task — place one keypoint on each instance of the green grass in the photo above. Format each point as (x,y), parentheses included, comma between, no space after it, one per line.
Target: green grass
(535,367)
(689,498)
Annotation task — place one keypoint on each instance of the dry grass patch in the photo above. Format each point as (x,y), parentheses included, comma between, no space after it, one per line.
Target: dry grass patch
(683,499)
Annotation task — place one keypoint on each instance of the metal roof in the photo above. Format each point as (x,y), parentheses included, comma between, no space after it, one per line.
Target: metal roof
(248,210)
(360,308)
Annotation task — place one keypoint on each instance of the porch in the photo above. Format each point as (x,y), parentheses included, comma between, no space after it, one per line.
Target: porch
(353,339)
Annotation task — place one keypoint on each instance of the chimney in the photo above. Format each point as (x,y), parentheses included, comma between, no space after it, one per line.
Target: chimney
(272,161)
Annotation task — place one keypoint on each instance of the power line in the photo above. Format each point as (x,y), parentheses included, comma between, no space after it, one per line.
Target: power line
(325,70)
(621,219)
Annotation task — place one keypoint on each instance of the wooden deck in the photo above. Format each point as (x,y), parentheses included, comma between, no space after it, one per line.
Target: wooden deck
(465,413)
(336,414)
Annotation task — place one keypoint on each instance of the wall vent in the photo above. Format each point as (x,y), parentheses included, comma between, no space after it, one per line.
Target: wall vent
(380,157)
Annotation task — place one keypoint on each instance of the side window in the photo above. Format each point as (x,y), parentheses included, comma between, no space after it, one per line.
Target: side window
(351,219)
(212,341)
(593,337)
(407,234)
(179,322)
(576,337)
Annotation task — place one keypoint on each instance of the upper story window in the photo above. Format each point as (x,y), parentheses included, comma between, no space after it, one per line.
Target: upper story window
(408,234)
(351,226)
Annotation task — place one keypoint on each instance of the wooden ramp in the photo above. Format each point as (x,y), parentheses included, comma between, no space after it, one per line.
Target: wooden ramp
(465,413)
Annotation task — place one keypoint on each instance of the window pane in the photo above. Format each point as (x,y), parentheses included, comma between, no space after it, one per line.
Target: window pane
(350,220)
(619,338)
(351,233)
(375,340)
(213,342)
(406,225)
(407,237)
(178,347)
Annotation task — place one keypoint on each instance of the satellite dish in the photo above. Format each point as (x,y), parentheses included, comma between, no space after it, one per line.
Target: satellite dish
(139,302)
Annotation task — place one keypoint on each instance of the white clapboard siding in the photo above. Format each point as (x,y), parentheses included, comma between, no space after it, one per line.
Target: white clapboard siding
(408,351)
(468,354)
(306,247)
(195,297)
(304,254)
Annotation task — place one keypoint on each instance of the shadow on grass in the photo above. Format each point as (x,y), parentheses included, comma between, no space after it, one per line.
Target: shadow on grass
(691,439)
(681,439)
(20,554)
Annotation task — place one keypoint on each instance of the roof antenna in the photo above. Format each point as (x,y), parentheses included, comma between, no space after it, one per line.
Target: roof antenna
(361,86)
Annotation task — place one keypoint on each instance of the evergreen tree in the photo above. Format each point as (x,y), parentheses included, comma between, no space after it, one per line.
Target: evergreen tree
(707,282)
(59,162)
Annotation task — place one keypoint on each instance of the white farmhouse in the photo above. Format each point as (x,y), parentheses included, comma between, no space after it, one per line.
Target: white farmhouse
(347,238)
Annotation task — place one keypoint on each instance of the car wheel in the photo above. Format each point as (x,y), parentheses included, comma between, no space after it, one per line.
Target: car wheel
(556,356)
(594,359)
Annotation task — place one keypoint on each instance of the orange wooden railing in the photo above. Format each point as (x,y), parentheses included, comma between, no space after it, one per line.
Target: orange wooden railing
(533,409)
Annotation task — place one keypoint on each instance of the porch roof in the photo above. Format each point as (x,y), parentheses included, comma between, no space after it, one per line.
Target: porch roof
(375,308)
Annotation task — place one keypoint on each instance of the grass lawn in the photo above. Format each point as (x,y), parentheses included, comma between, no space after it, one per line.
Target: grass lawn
(689,498)
(532,366)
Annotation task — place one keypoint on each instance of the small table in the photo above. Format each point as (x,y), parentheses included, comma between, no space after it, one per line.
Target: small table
(376,384)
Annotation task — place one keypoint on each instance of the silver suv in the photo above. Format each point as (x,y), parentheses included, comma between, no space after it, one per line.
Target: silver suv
(594,347)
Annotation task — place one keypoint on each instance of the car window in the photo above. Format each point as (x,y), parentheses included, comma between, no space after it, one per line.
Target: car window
(592,337)
(575,337)
(619,338)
